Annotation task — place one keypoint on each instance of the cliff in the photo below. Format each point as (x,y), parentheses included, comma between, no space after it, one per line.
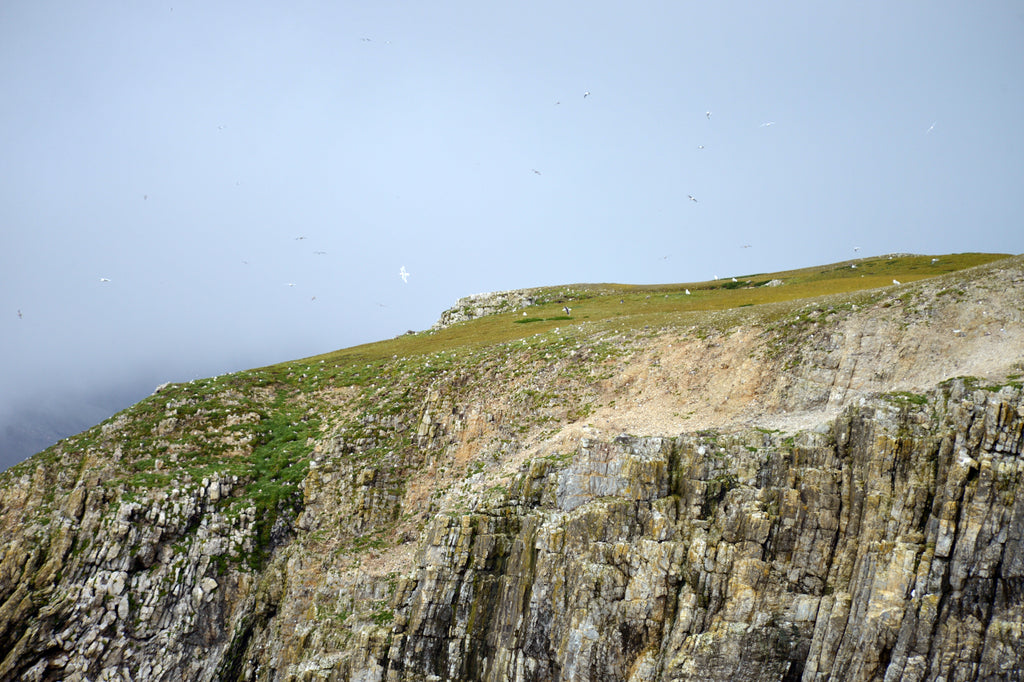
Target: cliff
(818,489)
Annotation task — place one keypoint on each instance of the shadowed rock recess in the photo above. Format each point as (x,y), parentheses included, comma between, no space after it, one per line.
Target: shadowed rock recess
(826,491)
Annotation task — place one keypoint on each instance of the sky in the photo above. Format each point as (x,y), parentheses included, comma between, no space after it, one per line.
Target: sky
(192,188)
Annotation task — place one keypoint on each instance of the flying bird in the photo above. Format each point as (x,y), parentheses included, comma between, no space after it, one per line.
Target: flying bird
(708,114)
(767,123)
(586,94)
(930,128)
(404,275)
(104,279)
(536,171)
(567,310)
(700,146)
(291,284)
(694,200)
(856,248)
(19,314)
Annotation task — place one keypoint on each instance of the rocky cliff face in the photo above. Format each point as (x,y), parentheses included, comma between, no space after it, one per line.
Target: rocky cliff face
(799,493)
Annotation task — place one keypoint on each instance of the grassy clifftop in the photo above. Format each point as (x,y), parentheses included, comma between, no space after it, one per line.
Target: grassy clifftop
(260,427)
(272,512)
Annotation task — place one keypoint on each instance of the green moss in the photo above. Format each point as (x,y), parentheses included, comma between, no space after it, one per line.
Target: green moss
(906,398)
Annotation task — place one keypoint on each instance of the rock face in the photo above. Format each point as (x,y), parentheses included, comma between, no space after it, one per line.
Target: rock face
(480,305)
(472,518)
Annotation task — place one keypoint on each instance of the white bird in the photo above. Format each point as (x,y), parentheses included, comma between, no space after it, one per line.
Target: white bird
(104,279)
(935,260)
(587,93)
(853,267)
(290,284)
(687,292)
(930,128)
(700,146)
(734,279)
(708,114)
(404,275)
(895,281)
(692,198)
(767,123)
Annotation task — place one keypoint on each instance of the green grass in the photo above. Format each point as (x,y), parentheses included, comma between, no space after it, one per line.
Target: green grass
(624,306)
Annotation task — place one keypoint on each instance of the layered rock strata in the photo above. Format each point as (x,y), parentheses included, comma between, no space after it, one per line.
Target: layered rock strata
(805,497)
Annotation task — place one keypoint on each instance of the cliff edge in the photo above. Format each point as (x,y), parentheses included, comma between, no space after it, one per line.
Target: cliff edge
(815,489)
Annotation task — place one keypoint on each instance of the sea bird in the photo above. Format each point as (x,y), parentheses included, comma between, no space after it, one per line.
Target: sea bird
(404,275)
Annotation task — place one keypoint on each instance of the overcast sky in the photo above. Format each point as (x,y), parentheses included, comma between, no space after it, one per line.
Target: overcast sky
(251,176)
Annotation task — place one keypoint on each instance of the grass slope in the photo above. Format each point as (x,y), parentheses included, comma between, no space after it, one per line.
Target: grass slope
(262,425)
